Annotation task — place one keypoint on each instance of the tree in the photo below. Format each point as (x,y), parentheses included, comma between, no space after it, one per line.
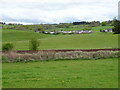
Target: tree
(103,23)
(39,27)
(7,47)
(87,28)
(116,28)
(64,25)
(34,44)
(94,23)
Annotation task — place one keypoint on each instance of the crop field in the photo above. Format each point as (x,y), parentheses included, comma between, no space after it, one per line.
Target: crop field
(102,73)
(97,39)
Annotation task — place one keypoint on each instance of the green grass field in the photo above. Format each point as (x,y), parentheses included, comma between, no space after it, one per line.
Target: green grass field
(81,27)
(102,73)
(20,39)
(17,35)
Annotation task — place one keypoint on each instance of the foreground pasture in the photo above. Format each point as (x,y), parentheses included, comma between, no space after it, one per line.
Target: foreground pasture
(102,73)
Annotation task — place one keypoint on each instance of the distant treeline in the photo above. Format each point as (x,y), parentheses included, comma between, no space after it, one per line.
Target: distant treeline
(94,23)
(42,27)
(110,22)
(81,23)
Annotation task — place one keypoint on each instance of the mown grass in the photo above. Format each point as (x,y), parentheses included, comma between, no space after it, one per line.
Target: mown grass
(10,35)
(20,39)
(102,73)
(98,28)
(82,41)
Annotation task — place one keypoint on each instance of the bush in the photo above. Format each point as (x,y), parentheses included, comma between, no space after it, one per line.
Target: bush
(34,44)
(116,28)
(4,59)
(7,47)
(103,23)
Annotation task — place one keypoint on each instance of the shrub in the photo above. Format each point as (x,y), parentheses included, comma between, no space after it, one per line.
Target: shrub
(4,59)
(34,44)
(116,28)
(103,23)
(43,56)
(7,47)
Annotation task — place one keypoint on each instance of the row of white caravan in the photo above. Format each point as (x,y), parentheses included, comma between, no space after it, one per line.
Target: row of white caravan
(68,32)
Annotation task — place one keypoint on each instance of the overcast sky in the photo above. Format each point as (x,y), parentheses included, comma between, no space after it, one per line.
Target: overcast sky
(57,11)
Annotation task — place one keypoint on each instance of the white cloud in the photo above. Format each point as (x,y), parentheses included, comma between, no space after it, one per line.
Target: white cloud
(56,11)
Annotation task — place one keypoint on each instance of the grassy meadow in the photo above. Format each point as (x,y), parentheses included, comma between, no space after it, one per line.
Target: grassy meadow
(80,27)
(102,73)
(97,39)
